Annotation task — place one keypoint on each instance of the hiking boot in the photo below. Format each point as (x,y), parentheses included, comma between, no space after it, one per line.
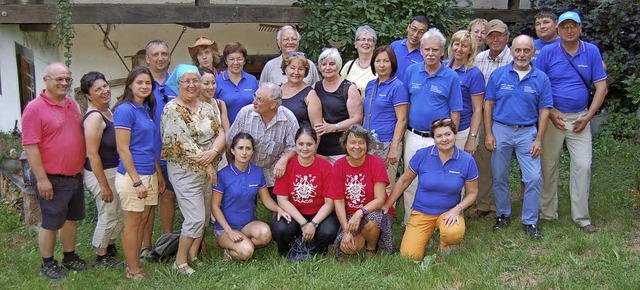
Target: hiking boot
(108,262)
(589,229)
(52,271)
(501,223)
(533,231)
(76,264)
(112,251)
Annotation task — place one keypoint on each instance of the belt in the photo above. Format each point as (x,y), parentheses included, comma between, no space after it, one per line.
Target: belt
(420,133)
(65,176)
(515,126)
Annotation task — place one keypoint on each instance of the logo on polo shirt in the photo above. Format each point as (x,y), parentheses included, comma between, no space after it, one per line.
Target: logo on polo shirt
(435,89)
(416,86)
(248,90)
(528,89)
(506,87)
(454,172)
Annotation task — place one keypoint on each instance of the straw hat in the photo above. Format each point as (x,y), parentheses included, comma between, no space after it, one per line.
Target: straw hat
(202,41)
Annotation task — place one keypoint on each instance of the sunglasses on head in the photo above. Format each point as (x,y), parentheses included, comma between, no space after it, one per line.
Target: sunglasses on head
(441,122)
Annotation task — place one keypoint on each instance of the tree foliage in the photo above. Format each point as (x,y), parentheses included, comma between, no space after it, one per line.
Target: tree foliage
(333,23)
(614,26)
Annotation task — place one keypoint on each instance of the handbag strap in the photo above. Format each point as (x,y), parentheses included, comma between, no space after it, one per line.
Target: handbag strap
(373,93)
(566,54)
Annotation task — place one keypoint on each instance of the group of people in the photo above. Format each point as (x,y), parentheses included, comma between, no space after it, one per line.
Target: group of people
(321,151)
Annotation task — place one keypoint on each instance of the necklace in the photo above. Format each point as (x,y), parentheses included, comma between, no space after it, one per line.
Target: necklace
(360,65)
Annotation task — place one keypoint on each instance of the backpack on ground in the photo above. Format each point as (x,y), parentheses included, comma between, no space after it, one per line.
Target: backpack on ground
(166,247)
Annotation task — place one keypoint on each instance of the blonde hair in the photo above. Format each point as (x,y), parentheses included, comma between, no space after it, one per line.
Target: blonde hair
(478,21)
(464,36)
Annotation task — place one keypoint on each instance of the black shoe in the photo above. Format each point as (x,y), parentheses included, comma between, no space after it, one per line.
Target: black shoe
(112,251)
(76,264)
(108,262)
(533,231)
(52,271)
(501,223)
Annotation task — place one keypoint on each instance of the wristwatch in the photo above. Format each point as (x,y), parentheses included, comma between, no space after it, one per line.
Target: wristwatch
(315,224)
(474,135)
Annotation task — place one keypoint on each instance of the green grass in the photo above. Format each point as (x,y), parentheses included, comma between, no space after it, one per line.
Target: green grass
(566,258)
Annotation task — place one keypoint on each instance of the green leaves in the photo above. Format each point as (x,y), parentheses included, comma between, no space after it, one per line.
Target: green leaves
(64,28)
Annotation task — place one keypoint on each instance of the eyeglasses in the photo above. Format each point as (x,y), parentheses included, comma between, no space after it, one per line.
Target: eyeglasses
(60,80)
(190,82)
(238,60)
(441,122)
(290,39)
(414,29)
(297,53)
(569,27)
(365,40)
(165,99)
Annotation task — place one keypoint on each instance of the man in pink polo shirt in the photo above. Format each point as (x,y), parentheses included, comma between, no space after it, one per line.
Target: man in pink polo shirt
(52,137)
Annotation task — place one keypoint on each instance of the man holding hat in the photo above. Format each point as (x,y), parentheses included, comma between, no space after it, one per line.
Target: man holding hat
(487,61)
(573,66)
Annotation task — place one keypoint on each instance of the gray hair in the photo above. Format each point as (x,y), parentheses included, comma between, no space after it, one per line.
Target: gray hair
(283,28)
(366,29)
(155,42)
(433,33)
(331,53)
(359,132)
(275,92)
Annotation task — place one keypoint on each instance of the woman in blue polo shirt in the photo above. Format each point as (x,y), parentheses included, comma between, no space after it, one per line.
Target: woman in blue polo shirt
(237,228)
(386,103)
(137,181)
(442,171)
(235,86)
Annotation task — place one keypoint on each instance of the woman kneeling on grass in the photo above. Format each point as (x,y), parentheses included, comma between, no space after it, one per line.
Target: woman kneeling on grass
(302,193)
(442,170)
(359,182)
(237,228)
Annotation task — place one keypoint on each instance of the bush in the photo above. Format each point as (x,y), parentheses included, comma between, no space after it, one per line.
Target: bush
(333,23)
(622,127)
(612,25)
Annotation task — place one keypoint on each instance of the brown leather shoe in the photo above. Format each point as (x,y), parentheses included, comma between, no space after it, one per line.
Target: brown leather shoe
(479,214)
(589,229)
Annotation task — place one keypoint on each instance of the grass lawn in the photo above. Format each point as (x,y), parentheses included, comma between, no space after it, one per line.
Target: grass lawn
(566,258)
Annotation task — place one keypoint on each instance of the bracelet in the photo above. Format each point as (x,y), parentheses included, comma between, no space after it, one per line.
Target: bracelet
(364,210)
(337,127)
(462,208)
(302,225)
(137,183)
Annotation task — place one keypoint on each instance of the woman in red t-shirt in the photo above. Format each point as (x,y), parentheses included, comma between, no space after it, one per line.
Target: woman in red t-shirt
(359,182)
(302,193)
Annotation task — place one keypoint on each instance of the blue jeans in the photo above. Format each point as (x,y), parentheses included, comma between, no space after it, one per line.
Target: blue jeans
(508,140)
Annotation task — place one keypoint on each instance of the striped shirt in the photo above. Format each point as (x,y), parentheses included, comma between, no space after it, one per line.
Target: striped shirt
(488,65)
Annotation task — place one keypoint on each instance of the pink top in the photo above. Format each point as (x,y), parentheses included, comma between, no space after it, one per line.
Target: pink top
(58,132)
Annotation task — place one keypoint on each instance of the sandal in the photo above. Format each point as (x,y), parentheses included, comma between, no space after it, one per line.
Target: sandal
(226,256)
(184,269)
(370,252)
(145,256)
(140,275)
(197,262)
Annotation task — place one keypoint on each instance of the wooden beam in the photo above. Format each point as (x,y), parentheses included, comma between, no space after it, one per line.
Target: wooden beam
(510,16)
(35,27)
(152,14)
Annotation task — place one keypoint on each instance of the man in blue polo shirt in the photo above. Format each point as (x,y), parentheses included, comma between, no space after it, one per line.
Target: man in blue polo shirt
(159,59)
(406,49)
(518,97)
(546,23)
(571,65)
(434,92)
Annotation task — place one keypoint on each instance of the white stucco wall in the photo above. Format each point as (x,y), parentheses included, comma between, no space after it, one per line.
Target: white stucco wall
(10,34)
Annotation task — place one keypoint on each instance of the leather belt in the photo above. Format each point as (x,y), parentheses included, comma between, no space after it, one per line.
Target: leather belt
(420,133)
(514,126)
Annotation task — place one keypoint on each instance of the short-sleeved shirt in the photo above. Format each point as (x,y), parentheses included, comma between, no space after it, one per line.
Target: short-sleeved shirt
(235,96)
(239,192)
(356,184)
(380,113)
(57,130)
(297,104)
(487,65)
(306,187)
(186,134)
(404,57)
(570,94)
(439,185)
(272,72)
(272,140)
(431,96)
(135,118)
(539,45)
(160,90)
(357,75)
(517,102)
(471,83)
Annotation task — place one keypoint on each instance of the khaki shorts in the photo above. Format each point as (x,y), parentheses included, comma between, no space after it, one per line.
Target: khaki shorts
(129,198)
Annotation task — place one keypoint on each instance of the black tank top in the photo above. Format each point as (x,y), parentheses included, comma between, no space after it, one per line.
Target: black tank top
(334,110)
(108,150)
(297,104)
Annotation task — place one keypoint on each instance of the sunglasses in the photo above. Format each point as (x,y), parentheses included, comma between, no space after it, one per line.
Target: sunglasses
(165,98)
(297,53)
(441,122)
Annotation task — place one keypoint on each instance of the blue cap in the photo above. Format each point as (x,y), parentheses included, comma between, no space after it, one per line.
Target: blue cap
(569,15)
